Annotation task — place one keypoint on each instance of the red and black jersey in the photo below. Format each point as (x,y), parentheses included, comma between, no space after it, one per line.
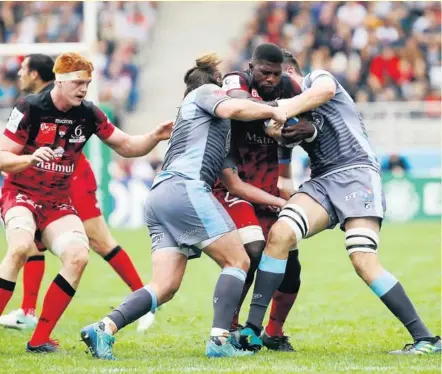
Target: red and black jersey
(254,153)
(35,122)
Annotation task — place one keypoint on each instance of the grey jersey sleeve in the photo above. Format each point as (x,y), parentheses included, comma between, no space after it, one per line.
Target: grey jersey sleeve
(229,162)
(209,96)
(310,78)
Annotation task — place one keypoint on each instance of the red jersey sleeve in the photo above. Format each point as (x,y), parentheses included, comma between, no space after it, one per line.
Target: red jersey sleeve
(104,128)
(234,82)
(17,128)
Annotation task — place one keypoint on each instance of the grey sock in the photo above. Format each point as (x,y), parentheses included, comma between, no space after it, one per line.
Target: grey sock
(226,297)
(134,306)
(401,306)
(268,278)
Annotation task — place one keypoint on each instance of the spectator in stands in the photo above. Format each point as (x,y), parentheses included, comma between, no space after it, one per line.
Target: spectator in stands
(380,50)
(8,89)
(397,165)
(122,26)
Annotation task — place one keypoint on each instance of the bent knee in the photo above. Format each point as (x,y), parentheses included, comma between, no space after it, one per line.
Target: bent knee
(166,291)
(281,239)
(292,225)
(239,259)
(366,265)
(76,259)
(20,249)
(71,242)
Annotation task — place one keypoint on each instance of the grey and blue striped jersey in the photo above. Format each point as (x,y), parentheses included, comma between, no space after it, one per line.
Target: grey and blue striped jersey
(342,140)
(200,140)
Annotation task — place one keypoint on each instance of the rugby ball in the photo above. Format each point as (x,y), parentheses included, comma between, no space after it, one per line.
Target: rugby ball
(289,123)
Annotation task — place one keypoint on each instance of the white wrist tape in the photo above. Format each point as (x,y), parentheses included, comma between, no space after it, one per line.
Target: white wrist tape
(309,140)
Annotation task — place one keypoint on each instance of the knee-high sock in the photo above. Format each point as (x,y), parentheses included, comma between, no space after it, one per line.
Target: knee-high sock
(393,295)
(268,278)
(33,272)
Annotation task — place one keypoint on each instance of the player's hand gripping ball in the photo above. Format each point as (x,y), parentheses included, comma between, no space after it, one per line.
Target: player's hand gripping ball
(277,133)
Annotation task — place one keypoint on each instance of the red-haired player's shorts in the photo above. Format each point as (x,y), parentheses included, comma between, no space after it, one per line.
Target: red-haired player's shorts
(252,225)
(45,211)
(83,191)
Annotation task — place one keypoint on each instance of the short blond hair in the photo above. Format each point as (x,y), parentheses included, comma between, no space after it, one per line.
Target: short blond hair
(70,62)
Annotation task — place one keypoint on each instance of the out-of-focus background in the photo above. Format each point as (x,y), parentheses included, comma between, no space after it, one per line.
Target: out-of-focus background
(386,54)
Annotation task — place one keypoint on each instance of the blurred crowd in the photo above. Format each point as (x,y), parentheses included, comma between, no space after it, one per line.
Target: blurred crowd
(124,28)
(379,50)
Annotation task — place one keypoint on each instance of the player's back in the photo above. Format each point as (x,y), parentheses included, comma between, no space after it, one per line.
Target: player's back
(342,140)
(199,141)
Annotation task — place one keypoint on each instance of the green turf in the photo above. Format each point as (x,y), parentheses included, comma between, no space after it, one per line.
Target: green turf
(337,325)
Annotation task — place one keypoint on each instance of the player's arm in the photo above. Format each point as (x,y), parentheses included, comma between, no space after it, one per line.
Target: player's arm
(129,145)
(215,101)
(13,140)
(285,180)
(321,88)
(247,110)
(231,180)
(138,145)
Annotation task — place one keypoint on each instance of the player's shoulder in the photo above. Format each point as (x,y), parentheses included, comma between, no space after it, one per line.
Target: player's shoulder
(39,100)
(237,79)
(318,73)
(89,109)
(315,74)
(209,89)
(289,87)
(88,105)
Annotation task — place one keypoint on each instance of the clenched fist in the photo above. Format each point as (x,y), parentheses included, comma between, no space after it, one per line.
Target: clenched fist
(42,154)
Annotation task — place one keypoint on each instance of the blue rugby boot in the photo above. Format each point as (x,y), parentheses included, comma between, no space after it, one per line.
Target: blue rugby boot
(247,339)
(426,346)
(98,341)
(215,348)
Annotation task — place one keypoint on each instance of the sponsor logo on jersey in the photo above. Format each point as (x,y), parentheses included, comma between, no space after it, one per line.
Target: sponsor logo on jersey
(46,134)
(319,120)
(14,120)
(64,121)
(62,130)
(252,138)
(231,82)
(59,151)
(77,136)
(255,94)
(55,167)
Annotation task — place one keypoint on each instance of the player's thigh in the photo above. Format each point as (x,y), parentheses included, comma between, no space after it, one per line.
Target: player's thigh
(100,237)
(227,250)
(266,221)
(308,210)
(168,267)
(85,202)
(244,217)
(66,238)
(18,214)
(20,227)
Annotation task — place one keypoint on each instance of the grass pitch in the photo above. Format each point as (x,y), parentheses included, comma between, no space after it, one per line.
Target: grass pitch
(337,324)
